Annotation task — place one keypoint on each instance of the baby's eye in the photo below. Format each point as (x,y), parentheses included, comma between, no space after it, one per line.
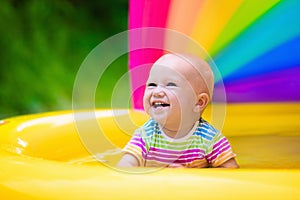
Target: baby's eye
(171,84)
(151,85)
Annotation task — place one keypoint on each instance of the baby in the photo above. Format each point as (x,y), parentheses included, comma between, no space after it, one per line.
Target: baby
(177,92)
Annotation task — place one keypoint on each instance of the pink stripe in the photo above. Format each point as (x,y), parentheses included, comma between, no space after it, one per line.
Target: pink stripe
(186,161)
(221,143)
(136,13)
(171,161)
(156,13)
(144,13)
(176,152)
(179,156)
(221,151)
(139,145)
(218,149)
(138,139)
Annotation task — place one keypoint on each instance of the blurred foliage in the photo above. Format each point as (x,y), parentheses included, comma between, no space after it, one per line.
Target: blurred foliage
(44,42)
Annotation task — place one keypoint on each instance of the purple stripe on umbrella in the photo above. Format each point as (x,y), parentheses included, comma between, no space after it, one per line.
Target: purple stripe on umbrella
(279,86)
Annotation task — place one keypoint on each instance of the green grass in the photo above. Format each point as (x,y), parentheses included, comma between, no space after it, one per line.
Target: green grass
(44,42)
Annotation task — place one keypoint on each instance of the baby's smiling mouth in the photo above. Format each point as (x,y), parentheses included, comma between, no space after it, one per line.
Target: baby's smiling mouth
(159,104)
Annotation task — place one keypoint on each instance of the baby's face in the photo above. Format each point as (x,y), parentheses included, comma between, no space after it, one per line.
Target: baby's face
(170,97)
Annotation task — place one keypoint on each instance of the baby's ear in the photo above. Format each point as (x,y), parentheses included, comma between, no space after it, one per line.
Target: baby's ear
(203,100)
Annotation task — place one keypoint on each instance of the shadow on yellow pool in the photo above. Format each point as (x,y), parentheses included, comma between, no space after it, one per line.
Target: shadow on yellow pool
(46,156)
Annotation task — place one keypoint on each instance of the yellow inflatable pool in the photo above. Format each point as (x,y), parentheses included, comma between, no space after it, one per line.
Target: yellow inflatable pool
(42,156)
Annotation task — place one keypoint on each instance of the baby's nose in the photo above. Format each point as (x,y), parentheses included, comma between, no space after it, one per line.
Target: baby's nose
(158,91)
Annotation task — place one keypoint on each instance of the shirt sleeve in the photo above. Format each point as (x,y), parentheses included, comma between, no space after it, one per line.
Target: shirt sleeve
(136,147)
(220,151)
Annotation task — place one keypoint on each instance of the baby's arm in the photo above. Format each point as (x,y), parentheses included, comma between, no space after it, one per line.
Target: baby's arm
(128,160)
(231,163)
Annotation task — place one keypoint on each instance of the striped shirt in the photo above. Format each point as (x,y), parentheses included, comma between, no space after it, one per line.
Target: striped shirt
(204,146)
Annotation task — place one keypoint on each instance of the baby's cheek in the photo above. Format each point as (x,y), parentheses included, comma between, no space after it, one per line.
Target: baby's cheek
(176,101)
(146,105)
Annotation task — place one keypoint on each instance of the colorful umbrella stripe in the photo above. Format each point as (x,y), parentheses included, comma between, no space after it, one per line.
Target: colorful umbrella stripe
(254,43)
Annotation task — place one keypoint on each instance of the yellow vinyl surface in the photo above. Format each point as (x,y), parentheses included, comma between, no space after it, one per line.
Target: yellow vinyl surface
(50,156)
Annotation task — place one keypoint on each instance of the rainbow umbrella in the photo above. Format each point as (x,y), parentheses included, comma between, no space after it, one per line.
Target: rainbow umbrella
(255,44)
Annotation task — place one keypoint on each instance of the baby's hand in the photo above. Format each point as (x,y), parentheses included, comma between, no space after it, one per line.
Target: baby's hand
(175,165)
